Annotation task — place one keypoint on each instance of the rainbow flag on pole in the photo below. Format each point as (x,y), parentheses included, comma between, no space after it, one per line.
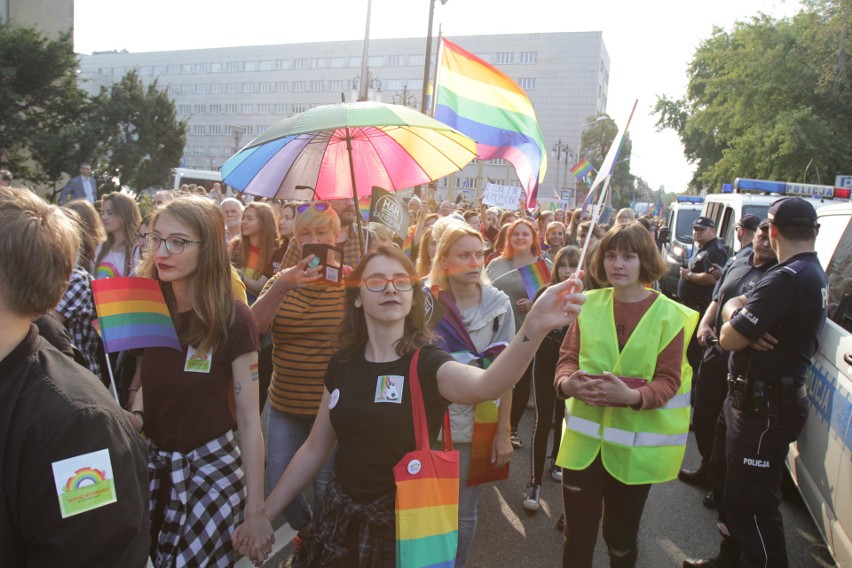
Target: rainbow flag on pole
(534,276)
(582,169)
(132,314)
(479,100)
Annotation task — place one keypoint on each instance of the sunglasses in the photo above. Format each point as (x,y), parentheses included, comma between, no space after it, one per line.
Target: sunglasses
(316,205)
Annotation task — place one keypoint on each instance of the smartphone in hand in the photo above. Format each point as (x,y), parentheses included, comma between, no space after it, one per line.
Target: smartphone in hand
(328,258)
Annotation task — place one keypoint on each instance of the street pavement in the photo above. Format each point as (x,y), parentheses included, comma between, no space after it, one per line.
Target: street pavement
(675,524)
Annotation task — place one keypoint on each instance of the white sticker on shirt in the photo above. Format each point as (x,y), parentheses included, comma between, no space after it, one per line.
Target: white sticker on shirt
(389,388)
(197,363)
(333,398)
(84,482)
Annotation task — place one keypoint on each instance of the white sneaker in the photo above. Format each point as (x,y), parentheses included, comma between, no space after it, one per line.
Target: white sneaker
(532,502)
(556,473)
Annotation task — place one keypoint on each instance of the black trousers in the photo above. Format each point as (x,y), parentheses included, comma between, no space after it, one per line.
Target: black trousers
(549,413)
(589,494)
(520,398)
(755,447)
(710,388)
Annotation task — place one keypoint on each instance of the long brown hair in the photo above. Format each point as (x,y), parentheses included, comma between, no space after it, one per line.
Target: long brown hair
(92,231)
(352,334)
(125,209)
(267,237)
(213,298)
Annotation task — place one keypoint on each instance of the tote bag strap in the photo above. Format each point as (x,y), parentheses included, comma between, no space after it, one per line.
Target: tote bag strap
(421,429)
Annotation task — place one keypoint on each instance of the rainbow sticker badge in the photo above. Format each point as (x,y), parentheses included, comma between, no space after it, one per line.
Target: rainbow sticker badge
(84,482)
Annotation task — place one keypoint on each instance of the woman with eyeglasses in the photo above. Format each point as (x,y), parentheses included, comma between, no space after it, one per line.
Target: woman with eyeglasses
(252,251)
(371,426)
(302,312)
(189,402)
(121,218)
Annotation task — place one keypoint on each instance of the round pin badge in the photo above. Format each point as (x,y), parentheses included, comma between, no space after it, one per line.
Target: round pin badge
(414,467)
(333,398)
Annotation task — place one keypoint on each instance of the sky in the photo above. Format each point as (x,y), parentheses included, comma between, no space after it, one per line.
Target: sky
(650,42)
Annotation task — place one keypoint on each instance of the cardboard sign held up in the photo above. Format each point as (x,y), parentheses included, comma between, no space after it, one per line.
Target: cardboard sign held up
(503,196)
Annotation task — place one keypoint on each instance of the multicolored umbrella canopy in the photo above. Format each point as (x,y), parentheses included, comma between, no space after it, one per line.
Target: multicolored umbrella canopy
(329,148)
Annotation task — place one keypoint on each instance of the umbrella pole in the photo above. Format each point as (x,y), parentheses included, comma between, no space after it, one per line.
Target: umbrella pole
(355,193)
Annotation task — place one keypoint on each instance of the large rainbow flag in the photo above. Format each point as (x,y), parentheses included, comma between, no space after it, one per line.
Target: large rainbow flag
(479,100)
(132,314)
(534,276)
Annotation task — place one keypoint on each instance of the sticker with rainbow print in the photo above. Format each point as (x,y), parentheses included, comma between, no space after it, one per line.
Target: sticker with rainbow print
(84,482)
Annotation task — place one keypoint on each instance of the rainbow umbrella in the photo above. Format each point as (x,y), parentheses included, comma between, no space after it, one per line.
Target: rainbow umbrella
(342,150)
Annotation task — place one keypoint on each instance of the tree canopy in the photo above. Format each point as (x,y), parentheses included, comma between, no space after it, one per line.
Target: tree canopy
(770,99)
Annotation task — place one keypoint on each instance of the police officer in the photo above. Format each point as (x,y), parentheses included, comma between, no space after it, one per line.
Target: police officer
(773,334)
(695,287)
(745,229)
(710,388)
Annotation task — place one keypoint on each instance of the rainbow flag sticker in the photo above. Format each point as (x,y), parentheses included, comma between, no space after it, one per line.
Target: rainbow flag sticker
(534,276)
(133,314)
(84,482)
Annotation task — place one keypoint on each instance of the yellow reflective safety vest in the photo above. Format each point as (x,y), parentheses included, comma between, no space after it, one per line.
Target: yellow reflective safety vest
(636,446)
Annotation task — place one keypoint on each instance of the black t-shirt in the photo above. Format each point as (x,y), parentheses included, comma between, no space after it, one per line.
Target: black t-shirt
(790,303)
(713,252)
(372,417)
(740,277)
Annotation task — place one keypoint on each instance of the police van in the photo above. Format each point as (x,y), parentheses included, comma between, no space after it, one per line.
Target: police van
(675,239)
(820,462)
(753,197)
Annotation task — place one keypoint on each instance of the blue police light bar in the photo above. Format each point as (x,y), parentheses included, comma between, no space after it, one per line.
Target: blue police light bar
(690,199)
(727,188)
(744,184)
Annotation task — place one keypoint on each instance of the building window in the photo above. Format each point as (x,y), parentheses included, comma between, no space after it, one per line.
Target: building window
(283,64)
(231,109)
(202,88)
(527,83)
(268,65)
(302,63)
(145,70)
(215,129)
(184,109)
(280,108)
(200,109)
(281,86)
(376,61)
(216,88)
(158,69)
(505,57)
(319,63)
(416,60)
(201,67)
(415,84)
(172,70)
(198,129)
(337,62)
(298,107)
(199,150)
(248,87)
(394,60)
(298,86)
(354,62)
(263,108)
(316,85)
(185,89)
(232,88)
(215,109)
(336,85)
(246,109)
(394,84)
(215,67)
(529,57)
(186,68)
(213,151)
(265,87)
(250,66)
(248,130)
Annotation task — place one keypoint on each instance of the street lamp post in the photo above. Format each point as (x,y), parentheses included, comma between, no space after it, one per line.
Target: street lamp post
(560,153)
(426,63)
(405,98)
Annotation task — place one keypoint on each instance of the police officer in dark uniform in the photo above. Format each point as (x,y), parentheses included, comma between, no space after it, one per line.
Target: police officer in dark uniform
(745,229)
(773,334)
(710,387)
(695,287)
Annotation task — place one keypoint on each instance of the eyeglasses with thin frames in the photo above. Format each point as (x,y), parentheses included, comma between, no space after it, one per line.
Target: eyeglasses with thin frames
(380,283)
(174,245)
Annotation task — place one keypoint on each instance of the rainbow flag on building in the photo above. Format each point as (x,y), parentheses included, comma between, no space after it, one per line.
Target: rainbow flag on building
(479,100)
(582,169)
(132,314)
(534,276)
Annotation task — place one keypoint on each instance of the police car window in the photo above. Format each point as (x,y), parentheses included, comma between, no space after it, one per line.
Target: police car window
(759,211)
(684,224)
(728,228)
(839,272)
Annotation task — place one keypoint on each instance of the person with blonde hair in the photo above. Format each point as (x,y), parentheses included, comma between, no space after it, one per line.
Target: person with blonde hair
(190,401)
(426,252)
(459,282)
(625,216)
(253,250)
(121,218)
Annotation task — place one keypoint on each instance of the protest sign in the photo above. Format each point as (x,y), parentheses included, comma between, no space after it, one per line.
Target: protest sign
(503,196)
(387,208)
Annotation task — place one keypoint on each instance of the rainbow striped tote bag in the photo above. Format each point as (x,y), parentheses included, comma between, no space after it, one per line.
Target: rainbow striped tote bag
(427,493)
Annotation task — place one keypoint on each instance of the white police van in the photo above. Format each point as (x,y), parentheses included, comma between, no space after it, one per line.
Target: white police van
(675,239)
(820,462)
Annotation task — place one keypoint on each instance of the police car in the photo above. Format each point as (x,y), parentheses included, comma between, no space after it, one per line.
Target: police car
(820,462)
(675,239)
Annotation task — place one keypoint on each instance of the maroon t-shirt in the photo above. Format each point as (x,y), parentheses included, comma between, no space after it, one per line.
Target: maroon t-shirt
(184,410)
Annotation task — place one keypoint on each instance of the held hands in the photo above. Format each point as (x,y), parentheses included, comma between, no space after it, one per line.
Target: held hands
(579,386)
(558,306)
(254,538)
(300,275)
(501,449)
(616,391)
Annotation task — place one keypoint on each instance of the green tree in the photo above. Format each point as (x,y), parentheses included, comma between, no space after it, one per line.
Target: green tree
(140,137)
(40,103)
(768,99)
(595,142)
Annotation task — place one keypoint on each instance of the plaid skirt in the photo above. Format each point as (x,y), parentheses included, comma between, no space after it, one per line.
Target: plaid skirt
(197,499)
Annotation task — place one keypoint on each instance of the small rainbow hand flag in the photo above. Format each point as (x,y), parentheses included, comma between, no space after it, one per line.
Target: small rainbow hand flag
(534,276)
(364,208)
(582,169)
(407,244)
(132,314)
